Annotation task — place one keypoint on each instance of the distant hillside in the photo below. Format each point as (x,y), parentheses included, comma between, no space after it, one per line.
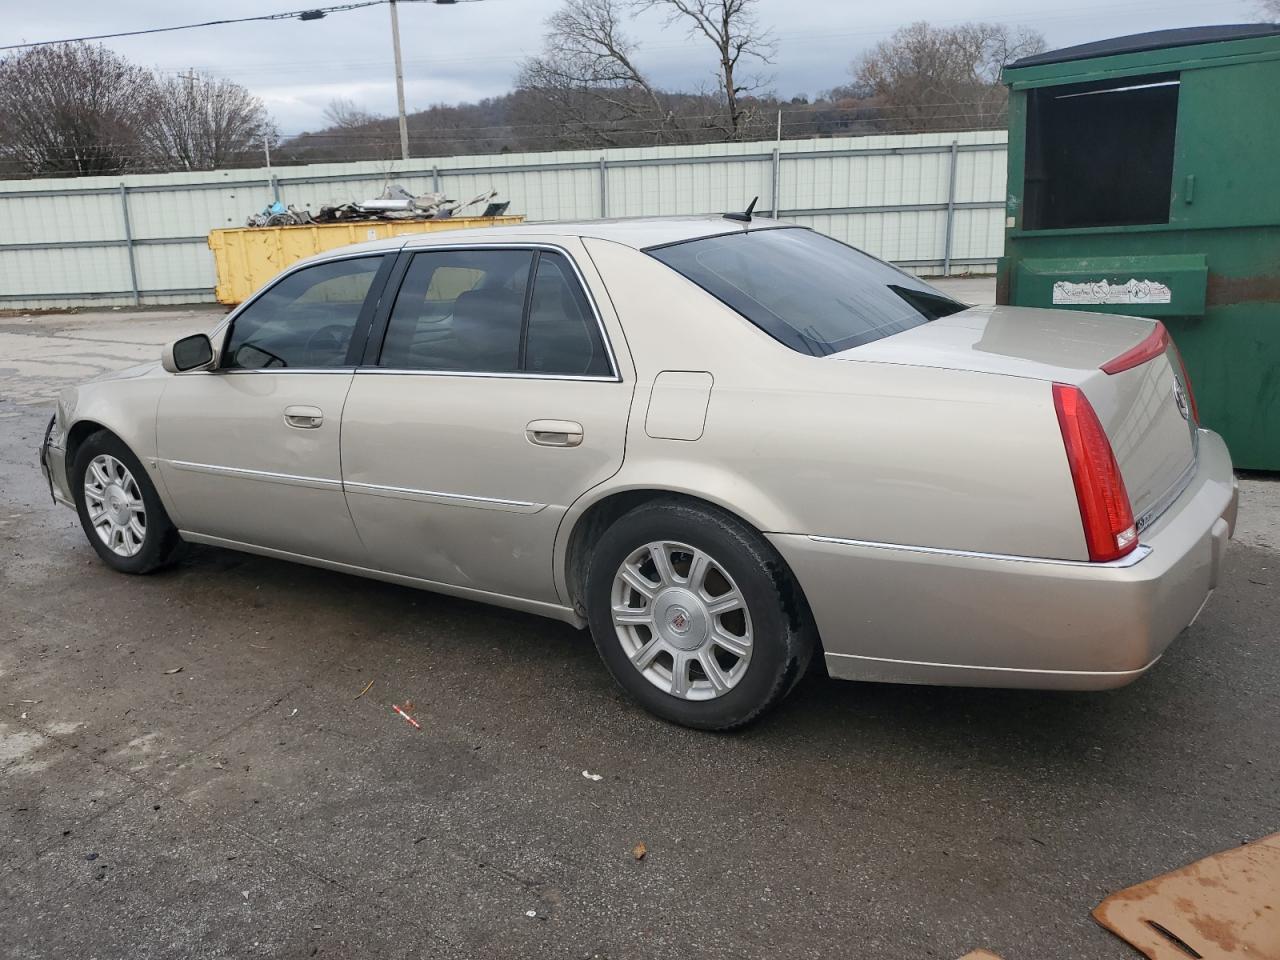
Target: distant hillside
(521,121)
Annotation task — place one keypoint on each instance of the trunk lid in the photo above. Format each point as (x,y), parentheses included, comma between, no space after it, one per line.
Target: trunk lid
(1144,409)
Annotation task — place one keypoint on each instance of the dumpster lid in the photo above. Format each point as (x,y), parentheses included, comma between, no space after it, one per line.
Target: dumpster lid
(1155,40)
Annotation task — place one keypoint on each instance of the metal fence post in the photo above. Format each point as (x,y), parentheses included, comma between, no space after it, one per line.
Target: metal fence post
(777,165)
(275,187)
(435,179)
(128,241)
(951,210)
(604,189)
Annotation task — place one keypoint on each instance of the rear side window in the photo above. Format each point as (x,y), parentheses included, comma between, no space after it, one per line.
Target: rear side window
(459,311)
(563,337)
(494,311)
(812,293)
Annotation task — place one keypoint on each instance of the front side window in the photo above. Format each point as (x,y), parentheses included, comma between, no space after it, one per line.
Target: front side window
(493,311)
(305,321)
(812,293)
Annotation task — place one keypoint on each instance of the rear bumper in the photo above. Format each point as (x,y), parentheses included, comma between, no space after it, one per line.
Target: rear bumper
(917,615)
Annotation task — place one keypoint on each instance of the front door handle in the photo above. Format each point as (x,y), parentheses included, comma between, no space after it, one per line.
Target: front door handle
(554,433)
(303,417)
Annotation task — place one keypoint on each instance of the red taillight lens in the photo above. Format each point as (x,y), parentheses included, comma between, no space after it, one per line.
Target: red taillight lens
(1105,510)
(1156,343)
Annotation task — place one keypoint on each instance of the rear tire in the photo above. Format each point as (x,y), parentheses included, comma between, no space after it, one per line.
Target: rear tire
(711,637)
(119,509)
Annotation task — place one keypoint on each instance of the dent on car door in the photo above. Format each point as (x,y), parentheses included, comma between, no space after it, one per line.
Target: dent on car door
(494,402)
(249,451)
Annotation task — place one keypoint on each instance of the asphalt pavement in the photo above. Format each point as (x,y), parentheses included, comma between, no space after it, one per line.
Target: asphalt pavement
(187,767)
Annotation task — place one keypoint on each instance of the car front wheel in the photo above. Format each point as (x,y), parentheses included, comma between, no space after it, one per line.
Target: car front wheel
(119,508)
(696,615)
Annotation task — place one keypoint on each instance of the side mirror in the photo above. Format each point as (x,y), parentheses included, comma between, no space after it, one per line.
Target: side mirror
(189,353)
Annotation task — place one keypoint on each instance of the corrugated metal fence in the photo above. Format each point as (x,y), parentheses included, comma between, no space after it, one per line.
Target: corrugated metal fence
(932,203)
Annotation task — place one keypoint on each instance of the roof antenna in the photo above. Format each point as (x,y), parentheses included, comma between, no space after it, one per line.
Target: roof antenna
(744,217)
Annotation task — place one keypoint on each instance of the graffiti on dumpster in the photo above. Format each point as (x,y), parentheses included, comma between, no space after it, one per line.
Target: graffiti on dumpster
(1103,291)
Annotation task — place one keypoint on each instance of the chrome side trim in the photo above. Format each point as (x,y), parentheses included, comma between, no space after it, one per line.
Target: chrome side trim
(267,476)
(1140,553)
(1025,670)
(393,371)
(237,371)
(437,496)
(540,607)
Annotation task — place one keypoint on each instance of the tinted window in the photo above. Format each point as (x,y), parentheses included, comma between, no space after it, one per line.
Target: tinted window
(1100,154)
(812,293)
(306,320)
(563,336)
(459,310)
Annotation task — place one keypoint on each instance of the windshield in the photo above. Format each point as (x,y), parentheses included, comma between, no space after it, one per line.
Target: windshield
(812,293)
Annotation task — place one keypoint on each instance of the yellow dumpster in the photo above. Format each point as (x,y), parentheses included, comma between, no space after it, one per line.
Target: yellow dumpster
(247,257)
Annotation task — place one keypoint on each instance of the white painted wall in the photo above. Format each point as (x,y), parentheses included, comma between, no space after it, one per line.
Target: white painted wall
(62,240)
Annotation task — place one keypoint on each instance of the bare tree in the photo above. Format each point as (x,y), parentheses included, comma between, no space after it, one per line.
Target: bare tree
(587,80)
(199,122)
(734,30)
(943,78)
(73,108)
(344,114)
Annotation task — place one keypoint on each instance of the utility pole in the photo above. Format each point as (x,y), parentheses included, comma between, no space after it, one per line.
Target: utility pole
(395,42)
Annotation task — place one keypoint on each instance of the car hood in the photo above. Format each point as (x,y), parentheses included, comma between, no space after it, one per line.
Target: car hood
(1013,341)
(149,368)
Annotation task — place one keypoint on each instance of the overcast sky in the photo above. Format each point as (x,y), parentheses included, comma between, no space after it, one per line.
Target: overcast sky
(472,50)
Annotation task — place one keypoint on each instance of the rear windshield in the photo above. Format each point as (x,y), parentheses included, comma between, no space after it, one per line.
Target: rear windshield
(812,293)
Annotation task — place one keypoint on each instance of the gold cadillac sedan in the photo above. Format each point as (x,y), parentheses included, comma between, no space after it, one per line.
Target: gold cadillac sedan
(722,445)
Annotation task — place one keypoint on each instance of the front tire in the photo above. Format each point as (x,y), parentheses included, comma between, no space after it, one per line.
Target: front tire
(119,509)
(696,615)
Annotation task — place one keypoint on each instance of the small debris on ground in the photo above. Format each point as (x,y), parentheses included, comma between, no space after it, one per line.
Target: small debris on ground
(174,670)
(592,776)
(639,851)
(295,712)
(415,723)
(365,690)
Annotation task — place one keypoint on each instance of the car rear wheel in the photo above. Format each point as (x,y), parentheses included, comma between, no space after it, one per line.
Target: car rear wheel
(696,615)
(119,508)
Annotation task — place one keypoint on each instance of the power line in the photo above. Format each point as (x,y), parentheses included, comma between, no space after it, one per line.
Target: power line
(316,13)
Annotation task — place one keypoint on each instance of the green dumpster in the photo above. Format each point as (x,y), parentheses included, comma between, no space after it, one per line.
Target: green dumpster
(1144,179)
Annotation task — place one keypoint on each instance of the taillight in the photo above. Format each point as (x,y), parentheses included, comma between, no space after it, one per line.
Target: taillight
(1156,343)
(1109,531)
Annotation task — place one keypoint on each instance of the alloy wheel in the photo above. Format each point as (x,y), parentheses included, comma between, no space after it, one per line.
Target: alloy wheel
(682,620)
(114,501)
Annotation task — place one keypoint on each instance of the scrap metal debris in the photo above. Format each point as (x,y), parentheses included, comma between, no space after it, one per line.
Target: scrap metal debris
(1224,906)
(394,203)
(278,215)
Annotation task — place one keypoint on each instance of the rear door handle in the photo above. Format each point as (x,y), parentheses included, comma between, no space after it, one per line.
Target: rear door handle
(303,417)
(554,433)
